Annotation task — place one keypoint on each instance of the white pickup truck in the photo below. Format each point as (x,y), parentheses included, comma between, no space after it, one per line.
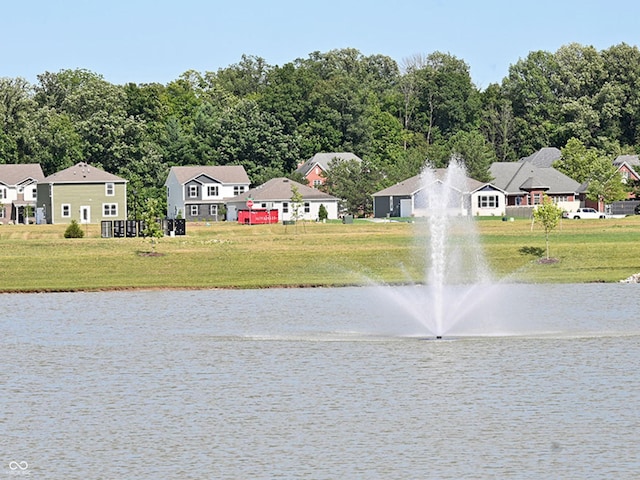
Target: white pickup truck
(585,213)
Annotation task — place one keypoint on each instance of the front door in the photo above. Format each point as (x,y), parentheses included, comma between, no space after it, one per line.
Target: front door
(85,214)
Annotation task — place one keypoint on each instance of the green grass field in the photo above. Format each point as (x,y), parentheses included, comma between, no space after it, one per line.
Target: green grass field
(228,255)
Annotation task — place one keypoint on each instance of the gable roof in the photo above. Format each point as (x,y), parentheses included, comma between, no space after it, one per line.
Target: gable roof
(234,174)
(83,173)
(279,189)
(518,177)
(631,160)
(323,160)
(543,157)
(16,173)
(412,185)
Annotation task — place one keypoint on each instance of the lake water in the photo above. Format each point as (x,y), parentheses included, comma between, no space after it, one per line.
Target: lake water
(319,384)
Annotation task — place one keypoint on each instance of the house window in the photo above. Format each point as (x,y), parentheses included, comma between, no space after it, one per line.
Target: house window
(537,198)
(3,193)
(238,189)
(212,190)
(2,212)
(66,210)
(487,201)
(194,210)
(193,191)
(317,183)
(285,207)
(109,189)
(213,210)
(307,207)
(109,209)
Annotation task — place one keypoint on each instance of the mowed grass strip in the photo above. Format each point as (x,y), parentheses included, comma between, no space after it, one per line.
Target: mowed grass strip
(228,255)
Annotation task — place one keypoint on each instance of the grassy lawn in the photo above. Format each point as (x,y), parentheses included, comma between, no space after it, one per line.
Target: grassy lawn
(39,258)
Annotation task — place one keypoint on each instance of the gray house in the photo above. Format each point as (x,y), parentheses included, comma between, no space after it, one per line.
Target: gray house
(408,199)
(200,193)
(525,185)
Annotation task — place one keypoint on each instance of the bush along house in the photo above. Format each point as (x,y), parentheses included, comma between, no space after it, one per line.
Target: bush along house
(200,193)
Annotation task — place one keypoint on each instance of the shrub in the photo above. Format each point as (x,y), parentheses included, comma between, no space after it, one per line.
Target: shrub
(73,230)
(322,212)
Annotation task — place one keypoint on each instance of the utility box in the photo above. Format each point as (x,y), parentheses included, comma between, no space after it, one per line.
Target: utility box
(106,228)
(118,228)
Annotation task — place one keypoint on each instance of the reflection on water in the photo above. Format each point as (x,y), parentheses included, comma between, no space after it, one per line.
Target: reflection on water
(318,383)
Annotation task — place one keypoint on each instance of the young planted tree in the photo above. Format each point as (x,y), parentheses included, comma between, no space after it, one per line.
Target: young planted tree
(296,204)
(152,228)
(548,214)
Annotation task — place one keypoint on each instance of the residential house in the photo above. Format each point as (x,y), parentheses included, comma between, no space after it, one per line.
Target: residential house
(276,194)
(200,192)
(629,168)
(408,198)
(83,193)
(525,184)
(18,191)
(316,167)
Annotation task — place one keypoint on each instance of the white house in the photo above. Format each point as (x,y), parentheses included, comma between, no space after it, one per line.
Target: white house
(276,194)
(200,193)
(18,191)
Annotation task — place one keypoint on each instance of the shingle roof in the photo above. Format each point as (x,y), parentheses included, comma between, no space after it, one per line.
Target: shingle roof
(323,160)
(414,184)
(279,189)
(222,173)
(631,160)
(82,173)
(516,177)
(16,173)
(543,157)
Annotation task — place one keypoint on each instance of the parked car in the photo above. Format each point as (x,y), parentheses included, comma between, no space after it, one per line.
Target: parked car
(586,213)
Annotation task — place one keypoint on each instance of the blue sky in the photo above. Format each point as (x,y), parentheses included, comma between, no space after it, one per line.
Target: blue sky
(145,41)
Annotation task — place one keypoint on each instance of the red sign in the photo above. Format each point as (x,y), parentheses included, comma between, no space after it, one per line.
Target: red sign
(258,216)
(249,203)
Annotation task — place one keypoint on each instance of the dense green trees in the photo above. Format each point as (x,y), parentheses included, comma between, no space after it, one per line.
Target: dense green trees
(270,118)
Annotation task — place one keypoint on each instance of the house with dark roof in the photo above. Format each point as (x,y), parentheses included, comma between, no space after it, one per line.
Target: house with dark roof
(18,191)
(201,192)
(83,193)
(276,194)
(525,184)
(408,198)
(314,168)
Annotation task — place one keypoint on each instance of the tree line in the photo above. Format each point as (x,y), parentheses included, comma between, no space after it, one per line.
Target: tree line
(269,118)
